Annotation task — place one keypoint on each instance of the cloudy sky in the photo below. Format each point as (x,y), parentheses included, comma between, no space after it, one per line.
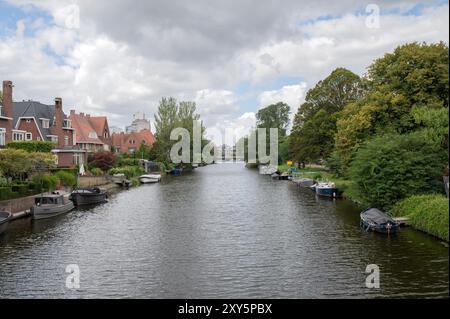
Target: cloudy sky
(116,57)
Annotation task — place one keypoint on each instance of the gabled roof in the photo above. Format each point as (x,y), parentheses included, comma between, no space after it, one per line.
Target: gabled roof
(98,123)
(84,129)
(36,110)
(120,139)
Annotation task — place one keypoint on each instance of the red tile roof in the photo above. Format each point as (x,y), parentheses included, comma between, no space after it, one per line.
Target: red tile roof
(123,142)
(84,129)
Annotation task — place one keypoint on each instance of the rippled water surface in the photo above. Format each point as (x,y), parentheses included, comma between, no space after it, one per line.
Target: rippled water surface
(222,231)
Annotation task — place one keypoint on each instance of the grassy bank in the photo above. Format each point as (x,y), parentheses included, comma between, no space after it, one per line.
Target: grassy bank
(428,213)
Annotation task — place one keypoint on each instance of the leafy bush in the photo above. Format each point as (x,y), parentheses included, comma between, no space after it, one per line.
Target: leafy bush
(129,171)
(45,182)
(17,164)
(125,161)
(66,178)
(96,171)
(21,189)
(5,192)
(428,213)
(104,160)
(392,167)
(32,146)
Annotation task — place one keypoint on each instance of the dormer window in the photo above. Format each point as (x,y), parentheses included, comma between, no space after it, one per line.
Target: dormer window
(45,123)
(92,135)
(67,123)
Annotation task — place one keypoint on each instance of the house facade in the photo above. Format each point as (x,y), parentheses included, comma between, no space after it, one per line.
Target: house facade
(92,132)
(130,142)
(34,121)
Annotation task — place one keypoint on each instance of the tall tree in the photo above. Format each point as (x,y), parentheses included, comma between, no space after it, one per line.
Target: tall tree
(413,76)
(312,135)
(274,116)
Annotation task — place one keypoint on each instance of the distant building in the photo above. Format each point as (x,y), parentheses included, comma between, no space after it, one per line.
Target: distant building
(115,129)
(130,142)
(92,132)
(139,123)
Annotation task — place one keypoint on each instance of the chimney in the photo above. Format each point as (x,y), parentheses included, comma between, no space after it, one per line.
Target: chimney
(7,98)
(72,112)
(58,112)
(7,108)
(81,114)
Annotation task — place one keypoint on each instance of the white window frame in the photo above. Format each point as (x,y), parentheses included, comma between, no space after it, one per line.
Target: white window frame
(30,138)
(45,123)
(67,123)
(2,137)
(18,136)
(66,140)
(93,134)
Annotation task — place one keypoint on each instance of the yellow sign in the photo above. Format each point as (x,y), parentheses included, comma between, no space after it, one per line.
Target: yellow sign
(289,163)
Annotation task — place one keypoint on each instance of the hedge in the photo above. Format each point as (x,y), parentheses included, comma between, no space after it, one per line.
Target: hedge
(428,213)
(32,146)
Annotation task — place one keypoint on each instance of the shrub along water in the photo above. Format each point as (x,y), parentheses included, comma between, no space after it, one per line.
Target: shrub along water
(428,213)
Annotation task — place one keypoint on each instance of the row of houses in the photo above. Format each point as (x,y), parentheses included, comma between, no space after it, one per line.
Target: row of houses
(75,135)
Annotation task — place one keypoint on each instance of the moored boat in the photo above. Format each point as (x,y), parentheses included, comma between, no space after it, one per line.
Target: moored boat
(284,176)
(88,196)
(327,190)
(376,220)
(175,171)
(5,217)
(121,179)
(275,176)
(50,205)
(150,178)
(304,182)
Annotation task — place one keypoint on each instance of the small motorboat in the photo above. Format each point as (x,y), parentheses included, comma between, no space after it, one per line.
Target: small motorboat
(88,196)
(51,205)
(376,220)
(176,171)
(121,179)
(304,182)
(326,189)
(5,217)
(150,178)
(284,176)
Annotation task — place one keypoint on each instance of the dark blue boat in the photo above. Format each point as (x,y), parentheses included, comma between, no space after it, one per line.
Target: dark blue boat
(326,189)
(175,171)
(376,220)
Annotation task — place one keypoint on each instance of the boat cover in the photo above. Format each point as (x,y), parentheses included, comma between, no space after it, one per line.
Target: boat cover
(377,216)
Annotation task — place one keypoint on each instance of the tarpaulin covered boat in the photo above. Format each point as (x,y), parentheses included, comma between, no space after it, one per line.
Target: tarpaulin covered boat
(376,220)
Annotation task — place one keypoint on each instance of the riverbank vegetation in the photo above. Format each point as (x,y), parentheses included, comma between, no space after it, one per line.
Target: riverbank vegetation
(428,213)
(383,137)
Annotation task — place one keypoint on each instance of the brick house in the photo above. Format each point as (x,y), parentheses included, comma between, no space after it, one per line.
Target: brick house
(130,142)
(34,121)
(92,132)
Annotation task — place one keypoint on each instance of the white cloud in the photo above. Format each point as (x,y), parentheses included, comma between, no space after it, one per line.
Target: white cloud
(293,95)
(117,63)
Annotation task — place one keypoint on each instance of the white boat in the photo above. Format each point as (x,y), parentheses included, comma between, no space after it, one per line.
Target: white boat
(150,178)
(46,206)
(5,217)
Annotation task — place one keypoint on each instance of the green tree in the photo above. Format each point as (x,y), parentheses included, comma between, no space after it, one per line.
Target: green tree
(274,116)
(414,76)
(18,164)
(171,115)
(389,168)
(312,135)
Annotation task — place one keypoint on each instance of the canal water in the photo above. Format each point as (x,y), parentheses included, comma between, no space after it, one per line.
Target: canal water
(222,231)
